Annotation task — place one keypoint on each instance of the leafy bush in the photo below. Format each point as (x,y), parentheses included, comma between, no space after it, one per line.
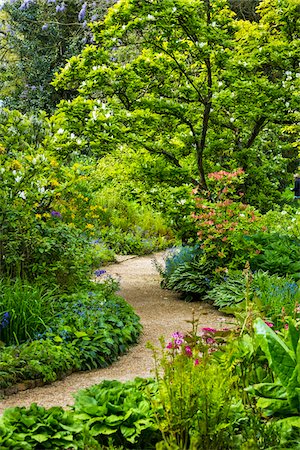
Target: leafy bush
(276,253)
(120,411)
(223,220)
(25,309)
(40,428)
(187,271)
(282,396)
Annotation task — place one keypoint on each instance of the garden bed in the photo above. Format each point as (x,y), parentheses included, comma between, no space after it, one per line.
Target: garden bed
(90,329)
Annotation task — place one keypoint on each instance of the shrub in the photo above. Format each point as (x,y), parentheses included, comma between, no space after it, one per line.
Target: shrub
(119,411)
(276,253)
(223,220)
(40,428)
(187,272)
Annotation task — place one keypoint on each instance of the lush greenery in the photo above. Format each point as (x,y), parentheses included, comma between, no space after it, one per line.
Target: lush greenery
(159,123)
(196,400)
(88,329)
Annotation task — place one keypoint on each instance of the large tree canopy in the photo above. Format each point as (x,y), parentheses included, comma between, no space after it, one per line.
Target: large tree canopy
(184,77)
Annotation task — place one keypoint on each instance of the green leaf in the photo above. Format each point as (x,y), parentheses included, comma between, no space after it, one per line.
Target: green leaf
(281,359)
(40,437)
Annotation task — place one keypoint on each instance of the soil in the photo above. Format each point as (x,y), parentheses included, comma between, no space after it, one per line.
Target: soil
(162,313)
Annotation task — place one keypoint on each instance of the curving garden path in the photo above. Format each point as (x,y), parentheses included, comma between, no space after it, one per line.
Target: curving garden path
(161,313)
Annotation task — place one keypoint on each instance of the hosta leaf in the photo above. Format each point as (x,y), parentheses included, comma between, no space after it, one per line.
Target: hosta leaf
(43,437)
(100,428)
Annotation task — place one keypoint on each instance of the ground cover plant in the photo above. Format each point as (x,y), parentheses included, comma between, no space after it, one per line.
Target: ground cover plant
(88,329)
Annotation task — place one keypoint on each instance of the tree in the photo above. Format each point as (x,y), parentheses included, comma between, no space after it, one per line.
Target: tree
(38,36)
(182,77)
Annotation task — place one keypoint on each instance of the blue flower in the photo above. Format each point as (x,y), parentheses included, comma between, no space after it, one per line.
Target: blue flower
(82,13)
(55,214)
(5,320)
(99,272)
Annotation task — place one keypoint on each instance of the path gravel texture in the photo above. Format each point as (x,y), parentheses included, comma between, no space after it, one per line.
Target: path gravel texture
(162,312)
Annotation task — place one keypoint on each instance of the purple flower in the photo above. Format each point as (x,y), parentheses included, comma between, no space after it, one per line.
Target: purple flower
(82,13)
(60,8)
(99,272)
(55,214)
(45,26)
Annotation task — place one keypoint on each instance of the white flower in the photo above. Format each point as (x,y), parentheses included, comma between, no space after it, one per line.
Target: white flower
(22,195)
(41,190)
(18,179)
(60,131)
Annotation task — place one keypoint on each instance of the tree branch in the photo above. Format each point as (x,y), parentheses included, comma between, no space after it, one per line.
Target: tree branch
(256,130)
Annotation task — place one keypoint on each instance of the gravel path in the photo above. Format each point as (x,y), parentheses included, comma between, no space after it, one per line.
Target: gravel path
(161,314)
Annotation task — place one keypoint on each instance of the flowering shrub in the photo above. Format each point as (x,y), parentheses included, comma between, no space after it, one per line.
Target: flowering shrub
(223,220)
(47,218)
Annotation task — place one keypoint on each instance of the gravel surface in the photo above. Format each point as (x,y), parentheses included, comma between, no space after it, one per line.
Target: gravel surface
(161,313)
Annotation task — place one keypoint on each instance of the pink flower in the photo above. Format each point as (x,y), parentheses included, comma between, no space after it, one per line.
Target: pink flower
(270,324)
(188,351)
(170,345)
(196,362)
(286,326)
(208,330)
(210,340)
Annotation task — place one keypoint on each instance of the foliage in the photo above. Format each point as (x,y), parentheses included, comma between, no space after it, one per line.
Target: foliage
(119,411)
(39,359)
(129,227)
(178,256)
(223,220)
(282,396)
(38,37)
(276,253)
(89,330)
(45,222)
(192,279)
(25,309)
(200,87)
(149,192)
(201,397)
(275,297)
(37,427)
